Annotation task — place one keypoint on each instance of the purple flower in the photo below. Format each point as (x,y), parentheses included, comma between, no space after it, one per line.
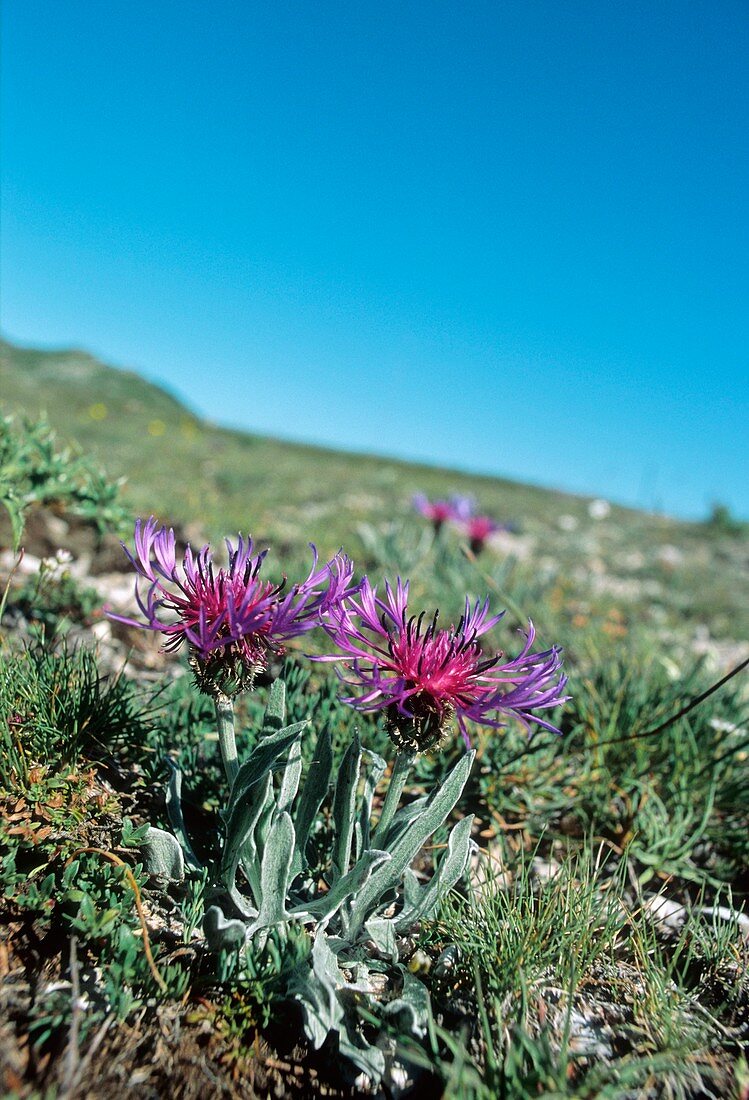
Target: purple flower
(438,512)
(477,529)
(230,618)
(423,676)
(463,507)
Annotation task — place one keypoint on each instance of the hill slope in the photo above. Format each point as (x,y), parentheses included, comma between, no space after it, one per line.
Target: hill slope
(178,463)
(183,468)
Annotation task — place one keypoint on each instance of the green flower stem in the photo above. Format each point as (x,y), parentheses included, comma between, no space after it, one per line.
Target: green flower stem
(401,768)
(226,740)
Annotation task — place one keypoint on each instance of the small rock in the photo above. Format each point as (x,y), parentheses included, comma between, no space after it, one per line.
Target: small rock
(666,912)
(722,912)
(486,872)
(544,870)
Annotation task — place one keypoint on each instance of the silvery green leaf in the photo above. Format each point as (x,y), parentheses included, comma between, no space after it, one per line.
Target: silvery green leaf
(411,888)
(382,934)
(240,836)
(275,873)
(265,821)
(412,1006)
(344,805)
(322,909)
(162,855)
(357,846)
(369,1059)
(290,778)
(406,847)
(372,777)
(313,792)
(317,992)
(174,809)
(250,808)
(403,818)
(262,759)
(451,868)
(275,710)
(222,934)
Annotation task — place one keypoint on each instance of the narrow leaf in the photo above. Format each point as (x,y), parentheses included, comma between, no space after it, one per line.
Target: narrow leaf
(174,810)
(344,805)
(291,775)
(275,711)
(263,757)
(404,850)
(451,868)
(314,791)
(275,872)
(322,909)
(240,839)
(372,777)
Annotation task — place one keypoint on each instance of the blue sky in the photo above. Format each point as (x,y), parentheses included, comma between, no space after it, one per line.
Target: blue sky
(508,237)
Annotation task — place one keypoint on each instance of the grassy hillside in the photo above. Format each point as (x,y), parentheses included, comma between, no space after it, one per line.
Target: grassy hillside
(176,462)
(640,566)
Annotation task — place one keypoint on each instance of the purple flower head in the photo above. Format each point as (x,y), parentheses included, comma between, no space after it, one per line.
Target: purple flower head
(463,507)
(438,512)
(424,676)
(229,617)
(477,529)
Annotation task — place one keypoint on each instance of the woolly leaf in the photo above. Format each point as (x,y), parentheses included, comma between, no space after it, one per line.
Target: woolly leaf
(317,992)
(241,842)
(406,847)
(174,809)
(314,791)
(344,806)
(382,934)
(291,775)
(222,934)
(421,901)
(262,759)
(275,711)
(373,775)
(325,907)
(162,855)
(275,873)
(412,1007)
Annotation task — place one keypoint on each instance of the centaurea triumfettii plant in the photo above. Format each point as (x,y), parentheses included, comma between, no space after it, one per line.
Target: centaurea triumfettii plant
(230,618)
(350,903)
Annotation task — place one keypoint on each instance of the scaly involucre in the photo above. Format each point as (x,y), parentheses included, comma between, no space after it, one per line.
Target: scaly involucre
(226,609)
(425,676)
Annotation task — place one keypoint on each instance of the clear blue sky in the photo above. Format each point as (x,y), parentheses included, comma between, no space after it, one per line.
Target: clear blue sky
(506,236)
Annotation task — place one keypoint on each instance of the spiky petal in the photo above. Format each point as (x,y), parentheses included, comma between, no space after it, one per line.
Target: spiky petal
(423,676)
(227,615)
